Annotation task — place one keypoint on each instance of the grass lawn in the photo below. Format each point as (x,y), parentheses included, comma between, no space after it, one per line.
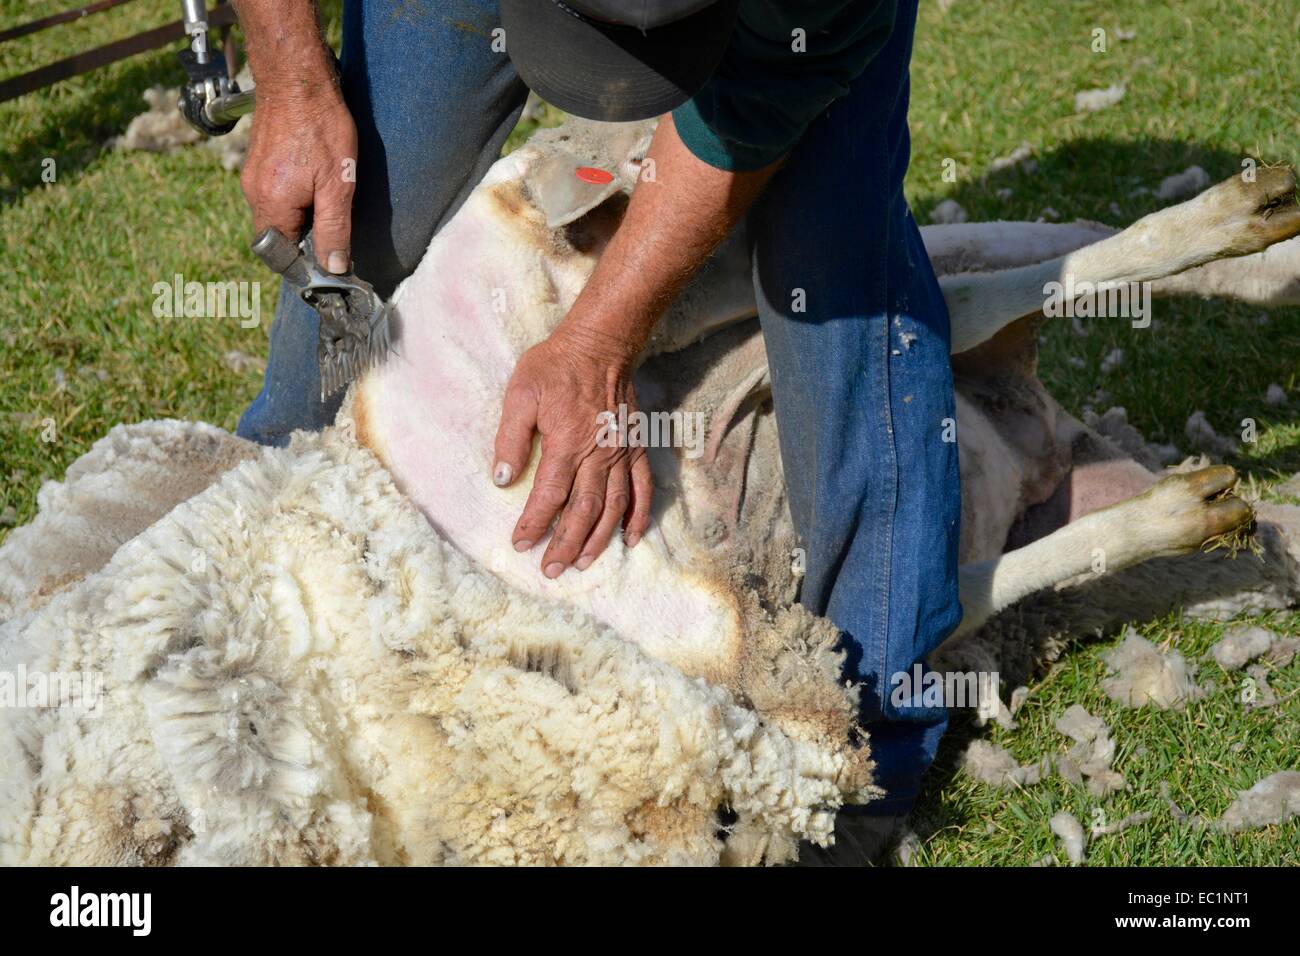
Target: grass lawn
(1208,82)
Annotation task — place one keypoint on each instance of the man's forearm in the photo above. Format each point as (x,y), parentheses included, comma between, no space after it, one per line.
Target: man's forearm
(286,49)
(671,226)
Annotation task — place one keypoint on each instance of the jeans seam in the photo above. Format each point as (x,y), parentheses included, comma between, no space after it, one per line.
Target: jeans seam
(889,494)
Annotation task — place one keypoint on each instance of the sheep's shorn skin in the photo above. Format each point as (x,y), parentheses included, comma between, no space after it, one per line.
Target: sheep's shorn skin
(297,669)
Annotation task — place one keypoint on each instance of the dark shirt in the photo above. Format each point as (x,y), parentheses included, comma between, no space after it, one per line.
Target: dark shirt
(765,93)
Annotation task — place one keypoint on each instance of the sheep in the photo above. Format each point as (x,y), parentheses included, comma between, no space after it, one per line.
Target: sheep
(330,654)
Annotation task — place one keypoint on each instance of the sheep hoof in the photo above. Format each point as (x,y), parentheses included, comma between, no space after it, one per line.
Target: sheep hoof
(1202,512)
(1206,483)
(1261,212)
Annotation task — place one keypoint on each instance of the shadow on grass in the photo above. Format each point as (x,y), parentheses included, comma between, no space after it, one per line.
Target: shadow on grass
(1080,179)
(75,125)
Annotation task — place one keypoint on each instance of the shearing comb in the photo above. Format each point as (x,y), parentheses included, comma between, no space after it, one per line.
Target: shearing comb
(354,321)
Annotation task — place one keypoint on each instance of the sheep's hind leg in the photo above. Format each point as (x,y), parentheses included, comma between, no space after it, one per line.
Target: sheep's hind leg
(1176,515)
(1233,218)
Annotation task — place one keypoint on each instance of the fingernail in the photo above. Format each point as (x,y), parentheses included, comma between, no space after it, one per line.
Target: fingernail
(631,540)
(338,263)
(584,562)
(501,477)
(554,569)
(524,545)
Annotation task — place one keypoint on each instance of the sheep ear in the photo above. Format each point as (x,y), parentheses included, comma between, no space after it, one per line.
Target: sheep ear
(559,192)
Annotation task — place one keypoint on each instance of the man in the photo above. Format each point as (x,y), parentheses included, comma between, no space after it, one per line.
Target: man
(796,109)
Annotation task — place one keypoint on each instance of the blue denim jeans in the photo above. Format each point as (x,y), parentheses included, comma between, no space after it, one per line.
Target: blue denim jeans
(855,327)
(857,341)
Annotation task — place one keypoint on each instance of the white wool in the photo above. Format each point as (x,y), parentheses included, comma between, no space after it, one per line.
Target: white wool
(949,211)
(1079,725)
(1019,158)
(1202,436)
(297,669)
(1283,651)
(1070,832)
(1114,424)
(1142,674)
(1018,698)
(1275,799)
(988,763)
(162,129)
(1241,645)
(1190,181)
(130,478)
(1119,826)
(1090,101)
(1092,754)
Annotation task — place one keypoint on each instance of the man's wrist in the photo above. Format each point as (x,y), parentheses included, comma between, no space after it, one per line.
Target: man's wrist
(299,77)
(598,341)
(290,60)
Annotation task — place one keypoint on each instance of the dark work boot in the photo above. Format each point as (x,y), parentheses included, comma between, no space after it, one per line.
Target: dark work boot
(860,840)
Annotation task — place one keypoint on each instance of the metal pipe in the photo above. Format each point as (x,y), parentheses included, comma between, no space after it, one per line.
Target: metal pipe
(194,13)
(54,19)
(224,109)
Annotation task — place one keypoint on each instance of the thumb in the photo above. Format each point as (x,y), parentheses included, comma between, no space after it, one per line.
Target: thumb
(332,227)
(514,444)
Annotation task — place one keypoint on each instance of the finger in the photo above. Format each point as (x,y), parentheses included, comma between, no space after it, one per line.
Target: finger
(643,487)
(618,497)
(586,502)
(550,493)
(332,223)
(284,216)
(514,441)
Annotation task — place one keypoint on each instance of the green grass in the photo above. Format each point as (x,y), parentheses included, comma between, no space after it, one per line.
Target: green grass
(1208,82)
(1206,752)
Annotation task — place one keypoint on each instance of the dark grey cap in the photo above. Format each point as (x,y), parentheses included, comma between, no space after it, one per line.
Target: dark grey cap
(617,60)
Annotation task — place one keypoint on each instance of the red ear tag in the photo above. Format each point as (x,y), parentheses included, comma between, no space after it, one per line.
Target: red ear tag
(590,174)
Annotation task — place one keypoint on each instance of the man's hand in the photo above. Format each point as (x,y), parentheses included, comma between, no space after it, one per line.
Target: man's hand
(302,157)
(564,388)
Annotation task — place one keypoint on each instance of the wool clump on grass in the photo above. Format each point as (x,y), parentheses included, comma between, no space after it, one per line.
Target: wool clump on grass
(162,128)
(1092,754)
(988,763)
(1142,674)
(1070,832)
(1091,101)
(1275,799)
(1272,800)
(1241,645)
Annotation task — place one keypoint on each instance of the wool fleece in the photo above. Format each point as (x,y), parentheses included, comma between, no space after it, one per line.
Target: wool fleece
(297,669)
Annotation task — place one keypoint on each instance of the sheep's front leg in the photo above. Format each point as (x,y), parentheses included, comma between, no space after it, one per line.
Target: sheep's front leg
(1176,515)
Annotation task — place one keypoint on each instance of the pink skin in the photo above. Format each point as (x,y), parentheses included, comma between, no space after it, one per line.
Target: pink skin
(430,413)
(563,384)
